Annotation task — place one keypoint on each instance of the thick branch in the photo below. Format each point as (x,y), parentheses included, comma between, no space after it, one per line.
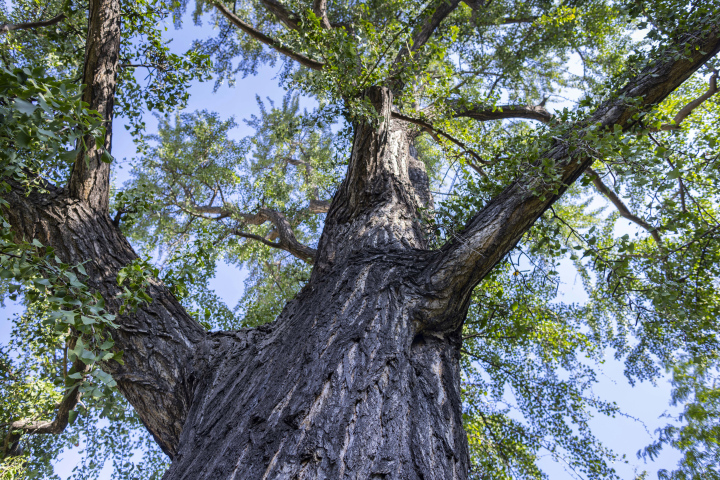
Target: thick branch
(320,10)
(426,30)
(466,259)
(620,206)
(319,206)
(9,27)
(502,112)
(269,41)
(287,240)
(158,340)
(90,178)
(288,18)
(55,426)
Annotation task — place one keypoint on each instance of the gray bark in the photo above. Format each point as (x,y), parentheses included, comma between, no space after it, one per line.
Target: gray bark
(359,375)
(345,383)
(90,180)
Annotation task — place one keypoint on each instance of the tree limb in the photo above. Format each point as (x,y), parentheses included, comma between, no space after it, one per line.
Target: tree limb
(688,109)
(501,112)
(55,426)
(493,231)
(9,27)
(428,127)
(90,177)
(286,237)
(620,206)
(290,19)
(319,206)
(423,34)
(269,41)
(283,230)
(320,10)
(158,340)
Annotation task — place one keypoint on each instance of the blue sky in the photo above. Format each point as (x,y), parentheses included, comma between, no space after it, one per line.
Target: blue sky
(644,403)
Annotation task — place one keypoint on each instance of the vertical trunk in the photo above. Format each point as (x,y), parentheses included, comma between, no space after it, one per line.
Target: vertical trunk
(344,384)
(90,180)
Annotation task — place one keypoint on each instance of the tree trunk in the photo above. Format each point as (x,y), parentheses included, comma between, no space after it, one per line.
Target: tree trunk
(344,384)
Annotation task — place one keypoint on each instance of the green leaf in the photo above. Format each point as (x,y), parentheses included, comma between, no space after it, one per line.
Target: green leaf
(24,106)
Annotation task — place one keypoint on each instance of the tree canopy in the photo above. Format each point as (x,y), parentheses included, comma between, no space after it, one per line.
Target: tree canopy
(494,93)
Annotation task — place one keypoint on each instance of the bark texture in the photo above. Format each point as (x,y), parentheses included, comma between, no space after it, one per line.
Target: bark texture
(343,384)
(158,341)
(90,180)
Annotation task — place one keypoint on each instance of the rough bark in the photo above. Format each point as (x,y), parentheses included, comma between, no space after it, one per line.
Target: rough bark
(359,375)
(378,205)
(158,341)
(90,179)
(343,384)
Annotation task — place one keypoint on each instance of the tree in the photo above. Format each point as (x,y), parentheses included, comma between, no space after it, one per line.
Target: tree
(402,322)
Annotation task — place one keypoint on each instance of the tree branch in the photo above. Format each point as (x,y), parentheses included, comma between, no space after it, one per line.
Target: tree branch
(158,340)
(269,41)
(288,18)
(688,109)
(286,237)
(423,34)
(501,112)
(320,10)
(9,27)
(55,426)
(428,127)
(90,177)
(283,230)
(620,206)
(492,232)
(319,206)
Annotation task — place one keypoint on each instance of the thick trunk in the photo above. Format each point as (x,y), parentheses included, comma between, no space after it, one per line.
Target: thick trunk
(359,375)
(344,384)
(340,386)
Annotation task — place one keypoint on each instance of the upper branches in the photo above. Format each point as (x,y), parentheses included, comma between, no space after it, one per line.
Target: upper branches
(692,105)
(502,112)
(9,27)
(620,205)
(495,230)
(269,41)
(434,15)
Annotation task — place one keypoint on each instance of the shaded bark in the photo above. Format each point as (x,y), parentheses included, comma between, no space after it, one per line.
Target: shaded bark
(343,384)
(90,179)
(339,386)
(158,341)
